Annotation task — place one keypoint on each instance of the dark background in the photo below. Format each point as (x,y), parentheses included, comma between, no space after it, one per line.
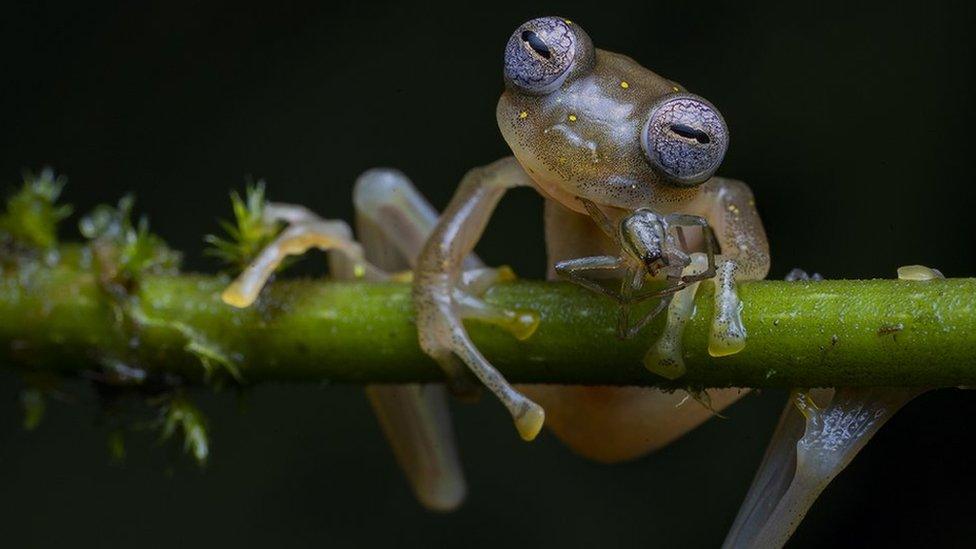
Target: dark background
(852,125)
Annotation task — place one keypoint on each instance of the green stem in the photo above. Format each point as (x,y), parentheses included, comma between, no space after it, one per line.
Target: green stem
(833,333)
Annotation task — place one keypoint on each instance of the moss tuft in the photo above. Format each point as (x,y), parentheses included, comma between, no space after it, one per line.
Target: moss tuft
(248,234)
(32,214)
(179,414)
(126,251)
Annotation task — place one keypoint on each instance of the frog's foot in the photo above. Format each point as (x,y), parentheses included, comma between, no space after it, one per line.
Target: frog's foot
(444,338)
(665,356)
(521,323)
(305,231)
(728,333)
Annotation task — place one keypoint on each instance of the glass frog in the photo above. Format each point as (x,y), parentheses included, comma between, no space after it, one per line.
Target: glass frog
(625,160)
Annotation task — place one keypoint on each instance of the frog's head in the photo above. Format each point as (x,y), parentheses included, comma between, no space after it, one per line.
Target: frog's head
(589,123)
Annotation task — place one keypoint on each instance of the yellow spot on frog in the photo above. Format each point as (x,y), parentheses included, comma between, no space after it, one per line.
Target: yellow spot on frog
(523,115)
(624,84)
(572,118)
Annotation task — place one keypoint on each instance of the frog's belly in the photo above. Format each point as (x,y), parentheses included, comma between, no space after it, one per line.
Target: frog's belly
(611,424)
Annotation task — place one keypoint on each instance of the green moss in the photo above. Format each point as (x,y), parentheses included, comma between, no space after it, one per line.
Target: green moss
(32,214)
(212,357)
(125,251)
(180,415)
(248,234)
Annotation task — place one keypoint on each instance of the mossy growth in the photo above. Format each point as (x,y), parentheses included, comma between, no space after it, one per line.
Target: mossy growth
(32,214)
(170,414)
(249,232)
(180,414)
(124,250)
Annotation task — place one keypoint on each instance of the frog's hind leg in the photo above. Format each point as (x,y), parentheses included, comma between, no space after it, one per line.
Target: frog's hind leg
(305,231)
(392,221)
(818,435)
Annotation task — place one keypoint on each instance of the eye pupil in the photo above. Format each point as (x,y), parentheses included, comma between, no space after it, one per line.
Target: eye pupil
(688,132)
(536,43)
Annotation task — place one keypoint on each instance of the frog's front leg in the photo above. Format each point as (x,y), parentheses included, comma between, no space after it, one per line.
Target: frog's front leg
(393,220)
(665,356)
(437,288)
(731,211)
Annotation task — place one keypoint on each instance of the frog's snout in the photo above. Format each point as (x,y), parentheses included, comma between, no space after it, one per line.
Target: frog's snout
(685,138)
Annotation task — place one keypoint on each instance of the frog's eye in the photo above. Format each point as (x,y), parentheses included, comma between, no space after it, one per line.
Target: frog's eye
(685,139)
(541,52)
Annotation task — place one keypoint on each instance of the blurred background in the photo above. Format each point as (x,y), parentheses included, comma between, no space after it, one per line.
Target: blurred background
(851,123)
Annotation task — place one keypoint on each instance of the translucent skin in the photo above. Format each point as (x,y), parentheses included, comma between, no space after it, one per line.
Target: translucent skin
(584,140)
